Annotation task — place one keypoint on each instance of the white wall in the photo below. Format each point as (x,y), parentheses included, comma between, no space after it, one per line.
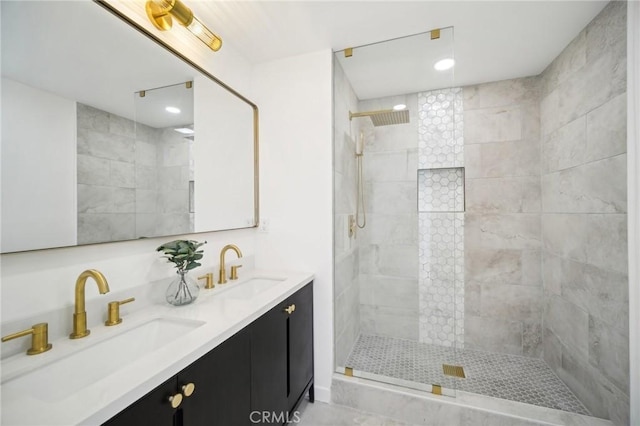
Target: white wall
(294,97)
(38,134)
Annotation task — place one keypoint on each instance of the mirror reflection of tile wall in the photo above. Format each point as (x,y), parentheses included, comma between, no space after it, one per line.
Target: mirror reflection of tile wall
(133,180)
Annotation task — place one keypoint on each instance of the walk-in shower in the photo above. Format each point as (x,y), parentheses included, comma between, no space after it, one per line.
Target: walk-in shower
(475,272)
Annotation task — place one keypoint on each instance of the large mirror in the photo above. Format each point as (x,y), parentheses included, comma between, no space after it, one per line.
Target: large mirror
(109,136)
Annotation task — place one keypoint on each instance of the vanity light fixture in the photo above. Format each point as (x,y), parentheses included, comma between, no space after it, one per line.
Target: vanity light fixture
(172,110)
(399,107)
(162,12)
(444,64)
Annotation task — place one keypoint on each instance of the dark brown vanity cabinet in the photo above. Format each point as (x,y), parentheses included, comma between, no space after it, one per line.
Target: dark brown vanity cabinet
(257,376)
(214,390)
(282,358)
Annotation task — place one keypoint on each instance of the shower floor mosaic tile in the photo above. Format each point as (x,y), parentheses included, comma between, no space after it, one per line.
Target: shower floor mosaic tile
(511,377)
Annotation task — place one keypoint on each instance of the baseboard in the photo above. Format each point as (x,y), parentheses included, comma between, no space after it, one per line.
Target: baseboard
(322,394)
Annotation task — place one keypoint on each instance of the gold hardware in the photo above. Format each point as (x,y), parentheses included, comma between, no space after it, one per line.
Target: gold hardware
(348,371)
(39,338)
(142,93)
(435,34)
(383,117)
(290,309)
(234,272)
(348,52)
(162,12)
(188,389)
(175,400)
(208,280)
(114,311)
(453,370)
(222,278)
(352,226)
(436,389)
(80,314)
(188,84)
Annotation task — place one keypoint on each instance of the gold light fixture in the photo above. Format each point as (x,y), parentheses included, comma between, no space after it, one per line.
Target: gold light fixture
(162,12)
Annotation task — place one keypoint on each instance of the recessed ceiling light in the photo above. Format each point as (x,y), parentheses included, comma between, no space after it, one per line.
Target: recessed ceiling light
(172,110)
(184,130)
(444,64)
(399,107)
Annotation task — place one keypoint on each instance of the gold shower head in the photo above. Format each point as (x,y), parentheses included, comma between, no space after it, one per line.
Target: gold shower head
(383,117)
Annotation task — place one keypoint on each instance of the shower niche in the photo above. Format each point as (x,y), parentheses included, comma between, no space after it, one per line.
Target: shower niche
(441,190)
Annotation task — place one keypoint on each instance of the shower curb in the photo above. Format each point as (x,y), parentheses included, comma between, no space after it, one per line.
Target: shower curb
(420,408)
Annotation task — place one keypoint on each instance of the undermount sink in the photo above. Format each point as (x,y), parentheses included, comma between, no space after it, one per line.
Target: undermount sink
(72,373)
(253,287)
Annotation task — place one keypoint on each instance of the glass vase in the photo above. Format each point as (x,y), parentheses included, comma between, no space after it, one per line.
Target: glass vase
(182,290)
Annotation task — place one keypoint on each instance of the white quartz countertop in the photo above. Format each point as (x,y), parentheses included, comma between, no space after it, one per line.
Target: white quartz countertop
(220,313)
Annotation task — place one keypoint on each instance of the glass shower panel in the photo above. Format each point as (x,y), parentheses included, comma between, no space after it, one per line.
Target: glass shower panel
(397,197)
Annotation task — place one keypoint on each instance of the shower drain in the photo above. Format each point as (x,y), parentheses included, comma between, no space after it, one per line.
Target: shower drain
(453,370)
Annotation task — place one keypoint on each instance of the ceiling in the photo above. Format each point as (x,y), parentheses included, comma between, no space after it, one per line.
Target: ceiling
(490,40)
(494,40)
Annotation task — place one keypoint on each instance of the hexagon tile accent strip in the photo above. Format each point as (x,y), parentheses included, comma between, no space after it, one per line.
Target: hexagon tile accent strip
(441,278)
(505,376)
(441,225)
(440,138)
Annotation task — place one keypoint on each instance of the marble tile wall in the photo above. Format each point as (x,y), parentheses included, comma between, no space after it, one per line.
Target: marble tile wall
(132,179)
(503,286)
(389,242)
(106,176)
(346,249)
(583,193)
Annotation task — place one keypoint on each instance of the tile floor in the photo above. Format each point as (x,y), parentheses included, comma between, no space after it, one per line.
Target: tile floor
(503,376)
(321,414)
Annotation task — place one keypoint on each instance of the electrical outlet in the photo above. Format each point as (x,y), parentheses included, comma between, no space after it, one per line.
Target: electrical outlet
(264,225)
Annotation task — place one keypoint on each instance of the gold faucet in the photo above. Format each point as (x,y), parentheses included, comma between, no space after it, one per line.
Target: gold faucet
(80,314)
(223,274)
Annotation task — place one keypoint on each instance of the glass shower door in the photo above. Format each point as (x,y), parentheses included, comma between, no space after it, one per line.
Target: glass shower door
(397,262)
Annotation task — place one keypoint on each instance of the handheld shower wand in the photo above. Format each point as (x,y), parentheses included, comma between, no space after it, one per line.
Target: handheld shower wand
(360,183)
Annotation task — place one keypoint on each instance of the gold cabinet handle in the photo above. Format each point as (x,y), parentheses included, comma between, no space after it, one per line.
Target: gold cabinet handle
(39,338)
(175,400)
(234,272)
(114,311)
(290,309)
(208,280)
(188,389)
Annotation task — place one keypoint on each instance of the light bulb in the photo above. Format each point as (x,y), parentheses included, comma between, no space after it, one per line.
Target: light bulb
(199,30)
(444,64)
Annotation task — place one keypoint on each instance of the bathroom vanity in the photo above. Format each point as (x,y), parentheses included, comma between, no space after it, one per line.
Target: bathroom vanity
(260,375)
(241,353)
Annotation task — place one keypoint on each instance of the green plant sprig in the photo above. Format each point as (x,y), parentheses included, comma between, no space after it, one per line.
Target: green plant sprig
(184,254)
